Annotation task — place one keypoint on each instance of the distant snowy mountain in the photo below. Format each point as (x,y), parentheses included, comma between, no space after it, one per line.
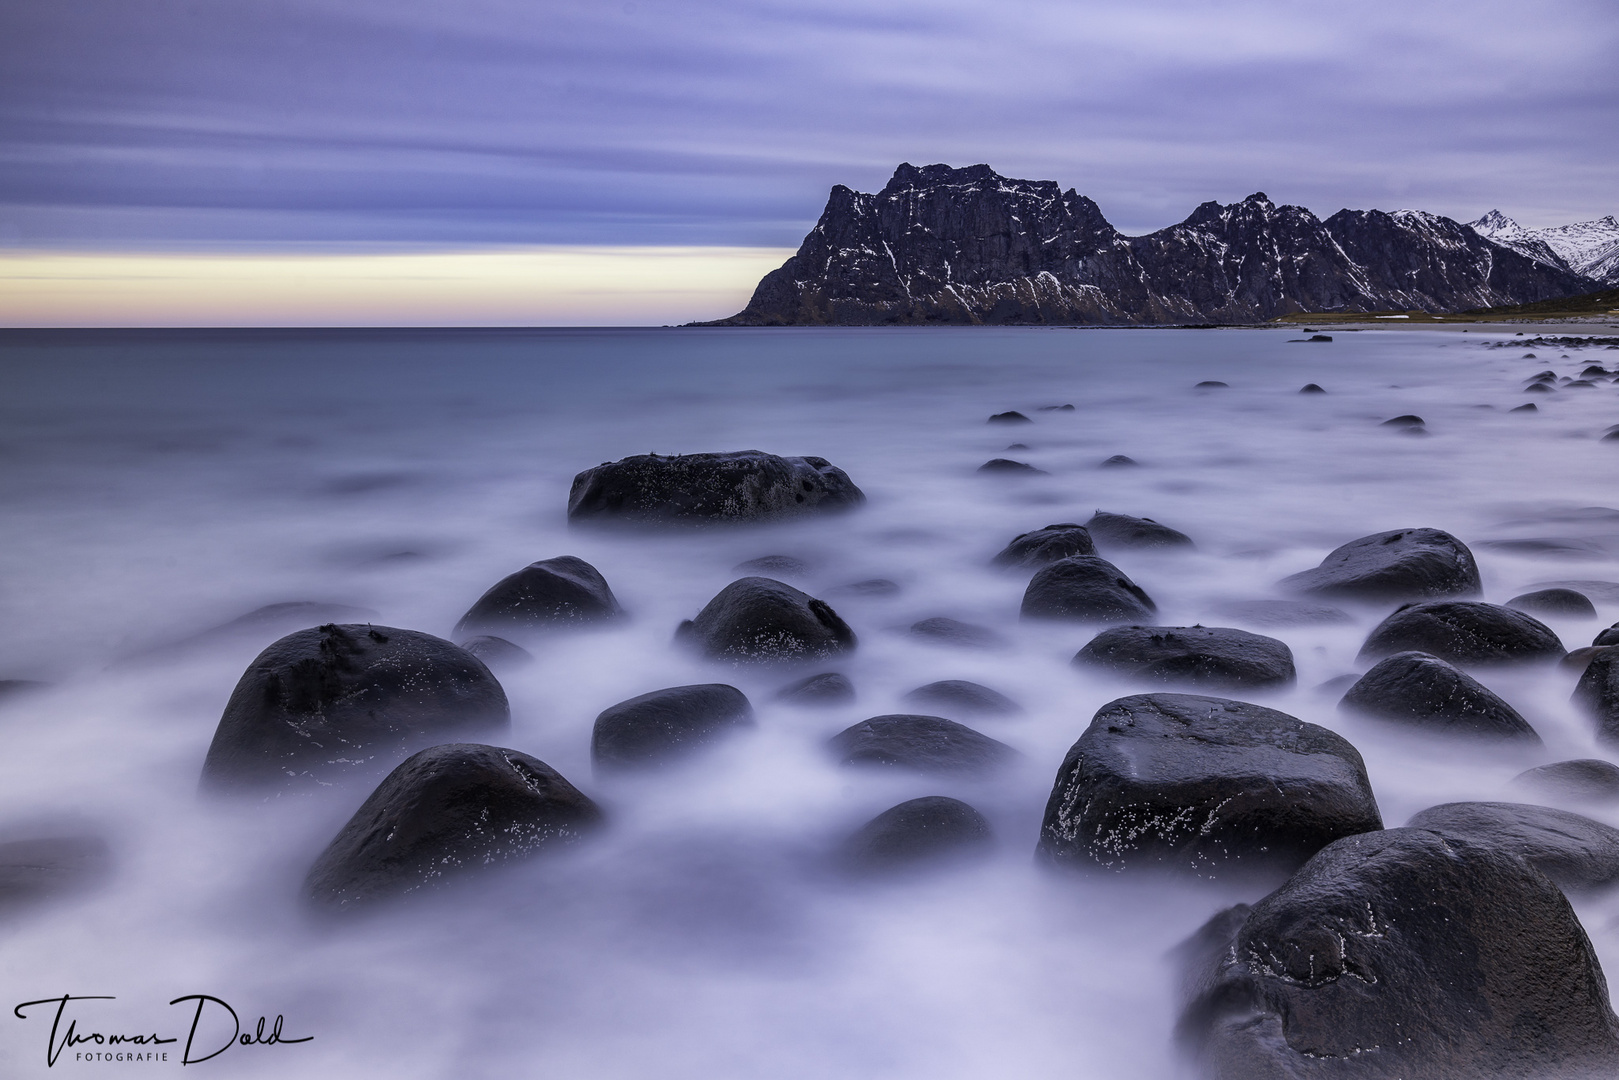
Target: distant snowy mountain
(1590,248)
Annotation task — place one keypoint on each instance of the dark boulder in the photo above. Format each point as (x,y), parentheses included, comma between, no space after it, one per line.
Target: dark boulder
(1203,784)
(37,871)
(1087,589)
(1597,693)
(1610,636)
(1464,632)
(1574,851)
(1407,421)
(1528,408)
(1124,531)
(703,489)
(774,564)
(1211,656)
(497,653)
(666,725)
(1563,602)
(1007,465)
(1405,564)
(1404,955)
(922,832)
(1031,550)
(554,592)
(963,698)
(1583,779)
(447,811)
(1577,660)
(339,700)
(956,634)
(1312,388)
(1119,461)
(759,619)
(929,744)
(1212,384)
(826,689)
(1423,691)
(1012,417)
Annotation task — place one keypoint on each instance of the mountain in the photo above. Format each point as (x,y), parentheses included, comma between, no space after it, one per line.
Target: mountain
(945,245)
(1590,248)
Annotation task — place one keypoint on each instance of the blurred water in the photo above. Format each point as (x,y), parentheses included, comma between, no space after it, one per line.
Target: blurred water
(158,484)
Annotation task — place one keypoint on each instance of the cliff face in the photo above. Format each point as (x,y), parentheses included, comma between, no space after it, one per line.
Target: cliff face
(943,245)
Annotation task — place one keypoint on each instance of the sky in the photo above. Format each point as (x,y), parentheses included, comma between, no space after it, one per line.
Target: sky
(141,138)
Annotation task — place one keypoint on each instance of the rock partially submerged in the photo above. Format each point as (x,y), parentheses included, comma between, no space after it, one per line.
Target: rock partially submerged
(1086,589)
(1205,785)
(706,489)
(335,701)
(39,870)
(666,725)
(562,591)
(447,811)
(922,832)
(1465,632)
(1032,550)
(1403,564)
(941,630)
(826,689)
(1598,694)
(963,698)
(1574,851)
(1211,656)
(1556,602)
(1124,531)
(929,744)
(1424,691)
(1582,779)
(1401,955)
(759,619)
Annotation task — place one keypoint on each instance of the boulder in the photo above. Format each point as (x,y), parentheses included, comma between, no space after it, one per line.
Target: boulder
(956,634)
(1557,602)
(1007,465)
(759,619)
(1087,589)
(1124,531)
(1010,417)
(1464,632)
(1042,547)
(1610,636)
(497,653)
(563,591)
(708,489)
(1597,693)
(774,564)
(1574,851)
(1577,660)
(1119,461)
(1211,656)
(871,588)
(1403,955)
(926,831)
(827,688)
(929,744)
(1205,785)
(341,700)
(444,812)
(1423,691)
(1404,564)
(963,698)
(39,870)
(1409,420)
(666,725)
(1583,779)
(1312,388)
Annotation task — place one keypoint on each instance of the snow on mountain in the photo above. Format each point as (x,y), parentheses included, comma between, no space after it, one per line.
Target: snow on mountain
(1590,248)
(1497,228)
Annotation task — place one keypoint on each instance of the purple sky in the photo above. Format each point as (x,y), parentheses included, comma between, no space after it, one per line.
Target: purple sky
(348,123)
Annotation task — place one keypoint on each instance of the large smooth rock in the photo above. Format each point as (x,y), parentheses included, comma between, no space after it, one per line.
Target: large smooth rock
(1422,690)
(1032,550)
(1565,603)
(1403,564)
(1124,531)
(826,689)
(1403,955)
(760,619)
(1086,589)
(922,832)
(1597,693)
(1464,632)
(1582,779)
(706,489)
(666,725)
(341,700)
(1205,785)
(1212,656)
(562,591)
(1574,851)
(963,698)
(444,812)
(928,744)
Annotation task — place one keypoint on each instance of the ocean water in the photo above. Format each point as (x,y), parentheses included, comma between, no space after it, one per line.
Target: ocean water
(157,485)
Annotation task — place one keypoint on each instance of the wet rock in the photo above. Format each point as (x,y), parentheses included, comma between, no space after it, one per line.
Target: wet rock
(497,653)
(1311,388)
(447,811)
(1580,659)
(922,832)
(1574,851)
(1212,384)
(1283,613)
(963,698)
(1464,632)
(666,725)
(701,489)
(1404,954)
(1583,779)
(1409,420)
(1211,656)
(37,871)
(1056,408)
(1320,337)
(1539,388)
(1528,408)
(871,587)
(1007,465)
(1403,564)
(1118,461)
(1018,446)
(1610,636)
(1012,417)
(1043,546)
(553,592)
(774,564)
(1565,602)
(1124,531)
(1597,693)
(826,689)
(956,634)
(1425,692)
(759,619)
(1087,589)
(1606,591)
(1203,784)
(929,744)
(335,701)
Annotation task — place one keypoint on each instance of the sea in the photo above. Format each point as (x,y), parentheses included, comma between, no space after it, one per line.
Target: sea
(158,486)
